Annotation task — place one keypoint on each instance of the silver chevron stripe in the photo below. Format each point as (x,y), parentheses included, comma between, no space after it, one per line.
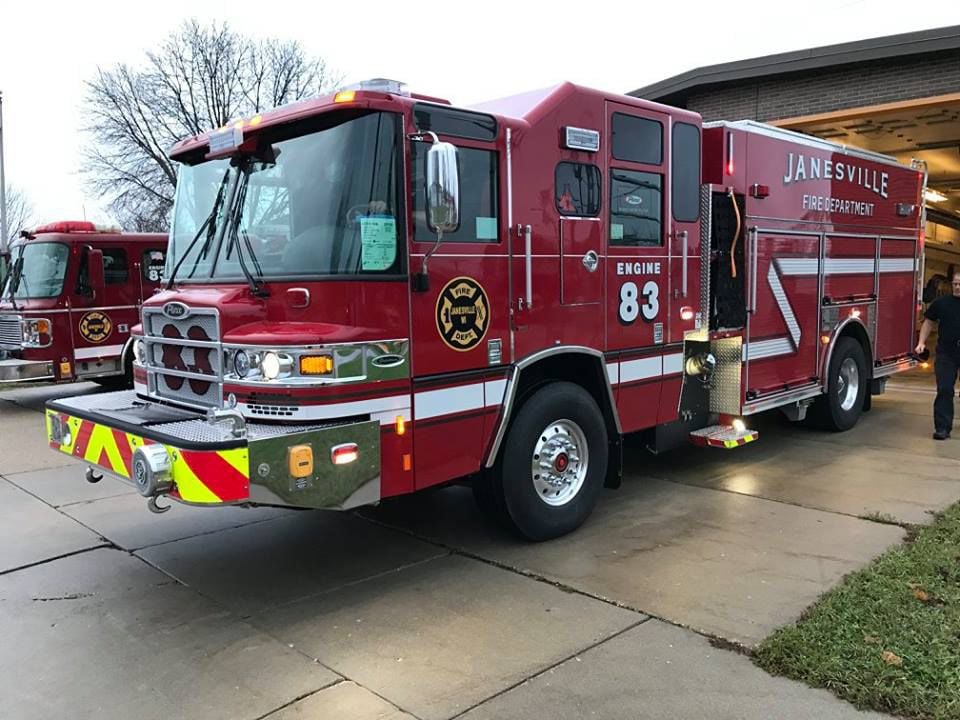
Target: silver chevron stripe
(794,267)
(844,266)
(783,302)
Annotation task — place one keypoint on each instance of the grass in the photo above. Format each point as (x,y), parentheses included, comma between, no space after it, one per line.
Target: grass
(887,638)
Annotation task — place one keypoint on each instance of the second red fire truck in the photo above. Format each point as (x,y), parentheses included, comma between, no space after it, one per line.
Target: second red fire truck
(70,300)
(375,292)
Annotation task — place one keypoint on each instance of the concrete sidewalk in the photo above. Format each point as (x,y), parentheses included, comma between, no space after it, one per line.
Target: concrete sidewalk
(417,608)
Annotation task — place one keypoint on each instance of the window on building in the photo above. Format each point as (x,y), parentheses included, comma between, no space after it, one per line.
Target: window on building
(577,189)
(478,196)
(636,208)
(637,139)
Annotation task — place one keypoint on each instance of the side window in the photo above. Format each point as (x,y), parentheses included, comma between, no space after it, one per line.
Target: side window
(577,189)
(636,207)
(115,271)
(685,183)
(479,220)
(152,265)
(637,139)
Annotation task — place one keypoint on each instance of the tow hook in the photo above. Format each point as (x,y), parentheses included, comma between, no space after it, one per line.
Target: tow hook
(92,476)
(154,508)
(151,473)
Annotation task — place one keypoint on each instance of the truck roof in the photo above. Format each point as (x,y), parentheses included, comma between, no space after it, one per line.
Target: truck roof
(525,107)
(757,128)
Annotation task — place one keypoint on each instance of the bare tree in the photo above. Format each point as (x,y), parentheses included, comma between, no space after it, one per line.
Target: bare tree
(201,77)
(19,212)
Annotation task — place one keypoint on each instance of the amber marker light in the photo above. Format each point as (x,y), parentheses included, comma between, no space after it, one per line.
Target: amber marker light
(316,364)
(344,96)
(401,425)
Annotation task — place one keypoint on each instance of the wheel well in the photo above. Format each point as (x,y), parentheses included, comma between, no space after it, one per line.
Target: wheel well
(126,356)
(581,369)
(856,331)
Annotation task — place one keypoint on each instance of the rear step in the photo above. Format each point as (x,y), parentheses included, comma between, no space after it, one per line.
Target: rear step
(723,436)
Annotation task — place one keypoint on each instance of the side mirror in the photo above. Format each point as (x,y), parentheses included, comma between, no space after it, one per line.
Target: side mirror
(443,188)
(95,272)
(443,200)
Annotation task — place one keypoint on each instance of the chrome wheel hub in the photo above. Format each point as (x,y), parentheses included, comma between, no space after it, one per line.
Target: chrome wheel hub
(848,383)
(559,463)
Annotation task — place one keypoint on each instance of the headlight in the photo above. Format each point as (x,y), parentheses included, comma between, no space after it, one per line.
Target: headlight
(257,365)
(241,363)
(37,332)
(270,365)
(140,351)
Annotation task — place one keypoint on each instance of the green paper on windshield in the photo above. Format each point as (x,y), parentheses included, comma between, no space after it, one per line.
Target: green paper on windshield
(378,238)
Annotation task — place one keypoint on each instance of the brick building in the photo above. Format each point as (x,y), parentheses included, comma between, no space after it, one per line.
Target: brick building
(898,95)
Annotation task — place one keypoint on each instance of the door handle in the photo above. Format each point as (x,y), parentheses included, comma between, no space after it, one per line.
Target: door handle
(527,299)
(684,237)
(591,261)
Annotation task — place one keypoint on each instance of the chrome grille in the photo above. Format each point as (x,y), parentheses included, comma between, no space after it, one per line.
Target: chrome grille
(10,330)
(184,356)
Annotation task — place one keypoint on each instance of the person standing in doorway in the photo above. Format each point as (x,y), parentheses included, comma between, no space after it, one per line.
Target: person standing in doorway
(944,310)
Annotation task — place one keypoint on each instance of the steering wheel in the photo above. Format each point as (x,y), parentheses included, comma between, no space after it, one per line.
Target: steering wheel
(374,207)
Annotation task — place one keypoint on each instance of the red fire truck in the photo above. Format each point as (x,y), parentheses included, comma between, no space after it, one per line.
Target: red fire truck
(375,292)
(73,294)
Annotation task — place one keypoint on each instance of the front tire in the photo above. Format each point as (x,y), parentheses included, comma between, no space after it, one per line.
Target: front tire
(553,463)
(840,408)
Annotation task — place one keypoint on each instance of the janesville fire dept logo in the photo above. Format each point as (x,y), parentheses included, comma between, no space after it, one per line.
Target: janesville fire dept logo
(95,326)
(463,313)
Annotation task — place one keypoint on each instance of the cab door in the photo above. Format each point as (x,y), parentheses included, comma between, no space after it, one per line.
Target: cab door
(638,308)
(101,318)
(459,324)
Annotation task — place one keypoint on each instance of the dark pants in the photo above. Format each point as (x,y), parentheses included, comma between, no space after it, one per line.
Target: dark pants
(946,370)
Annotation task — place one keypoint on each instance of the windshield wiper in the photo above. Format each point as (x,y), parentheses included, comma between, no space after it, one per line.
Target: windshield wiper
(13,282)
(256,286)
(205,225)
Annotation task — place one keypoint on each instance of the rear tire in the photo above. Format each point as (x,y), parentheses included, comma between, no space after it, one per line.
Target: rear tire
(552,464)
(847,385)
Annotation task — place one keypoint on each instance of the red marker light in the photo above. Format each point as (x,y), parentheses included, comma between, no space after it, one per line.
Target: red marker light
(344,454)
(759,191)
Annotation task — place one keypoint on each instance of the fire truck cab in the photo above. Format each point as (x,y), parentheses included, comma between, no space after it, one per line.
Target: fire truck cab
(72,295)
(375,292)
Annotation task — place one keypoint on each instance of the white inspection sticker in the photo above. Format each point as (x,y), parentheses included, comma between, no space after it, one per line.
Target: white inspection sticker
(378,239)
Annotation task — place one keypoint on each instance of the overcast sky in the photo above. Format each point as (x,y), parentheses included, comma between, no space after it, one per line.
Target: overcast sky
(49,49)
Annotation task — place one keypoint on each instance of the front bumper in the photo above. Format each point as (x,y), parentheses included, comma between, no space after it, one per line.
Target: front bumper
(208,465)
(14,370)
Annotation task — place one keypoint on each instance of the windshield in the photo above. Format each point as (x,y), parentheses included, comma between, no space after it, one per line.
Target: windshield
(37,270)
(320,204)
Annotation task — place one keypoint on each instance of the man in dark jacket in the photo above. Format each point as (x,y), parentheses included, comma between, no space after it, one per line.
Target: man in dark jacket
(944,310)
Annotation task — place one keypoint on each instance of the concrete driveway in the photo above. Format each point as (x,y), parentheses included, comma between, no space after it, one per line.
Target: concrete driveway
(417,608)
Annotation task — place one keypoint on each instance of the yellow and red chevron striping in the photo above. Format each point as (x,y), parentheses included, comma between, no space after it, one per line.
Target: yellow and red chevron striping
(199,476)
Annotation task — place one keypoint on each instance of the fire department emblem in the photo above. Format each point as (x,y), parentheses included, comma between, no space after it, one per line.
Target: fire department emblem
(95,326)
(463,313)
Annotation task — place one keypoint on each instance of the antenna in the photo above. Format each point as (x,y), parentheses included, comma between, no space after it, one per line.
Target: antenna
(3,189)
